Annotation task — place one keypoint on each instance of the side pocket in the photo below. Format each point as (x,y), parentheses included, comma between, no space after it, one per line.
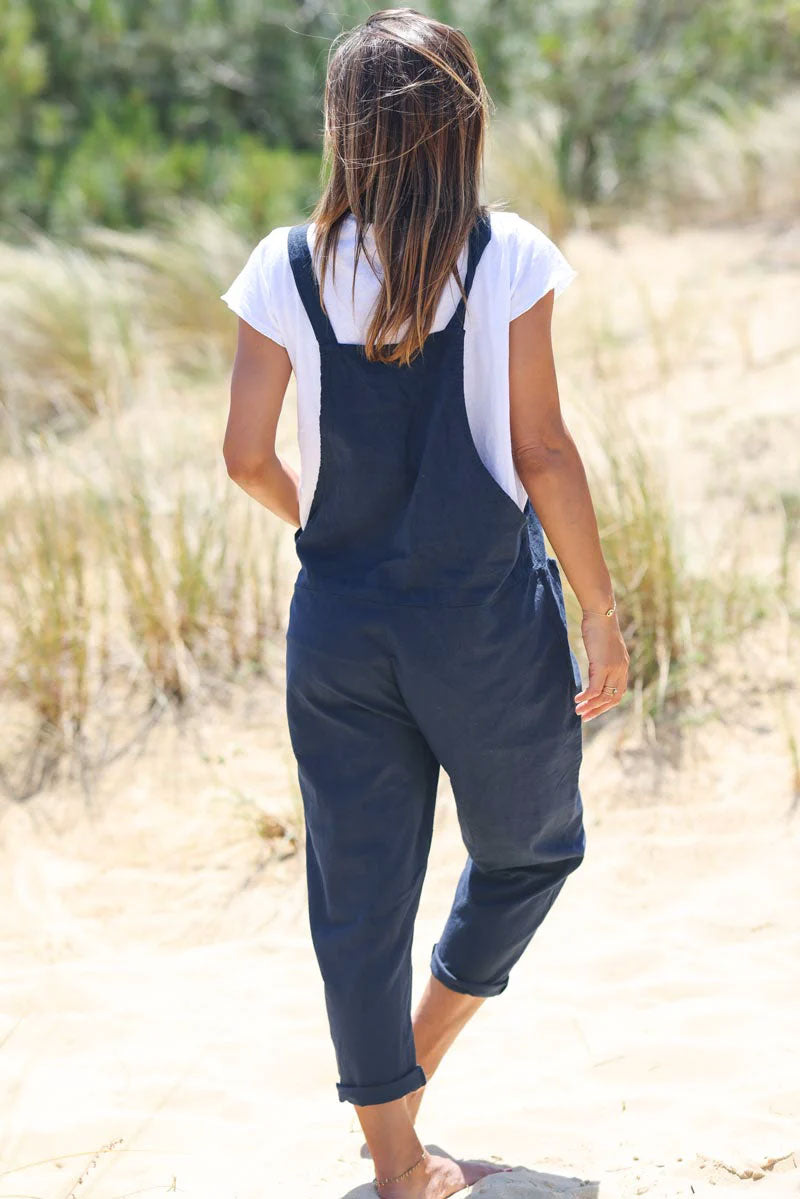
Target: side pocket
(557,592)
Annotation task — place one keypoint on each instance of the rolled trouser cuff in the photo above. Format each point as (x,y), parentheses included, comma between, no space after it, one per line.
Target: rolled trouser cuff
(464,986)
(383,1092)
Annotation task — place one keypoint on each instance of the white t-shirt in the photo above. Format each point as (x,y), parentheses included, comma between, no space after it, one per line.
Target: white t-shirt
(518,266)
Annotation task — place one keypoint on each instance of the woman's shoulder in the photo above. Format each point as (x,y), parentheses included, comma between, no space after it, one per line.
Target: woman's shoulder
(260,292)
(273,245)
(515,231)
(533,261)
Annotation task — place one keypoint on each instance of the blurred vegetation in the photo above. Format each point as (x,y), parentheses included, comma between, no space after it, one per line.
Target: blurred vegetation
(122,596)
(134,580)
(626,77)
(143,147)
(109,107)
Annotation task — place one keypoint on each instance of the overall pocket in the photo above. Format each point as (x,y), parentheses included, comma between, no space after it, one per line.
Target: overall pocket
(557,592)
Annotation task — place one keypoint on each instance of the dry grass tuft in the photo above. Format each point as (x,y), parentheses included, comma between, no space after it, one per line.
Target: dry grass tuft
(122,598)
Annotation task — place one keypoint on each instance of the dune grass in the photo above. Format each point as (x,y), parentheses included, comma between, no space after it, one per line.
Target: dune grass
(73,343)
(130,595)
(673,616)
(92,326)
(121,598)
(128,590)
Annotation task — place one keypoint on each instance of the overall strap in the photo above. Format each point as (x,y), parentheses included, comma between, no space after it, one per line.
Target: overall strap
(479,237)
(303,271)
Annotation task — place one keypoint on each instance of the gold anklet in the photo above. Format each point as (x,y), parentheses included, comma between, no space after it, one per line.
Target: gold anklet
(379,1182)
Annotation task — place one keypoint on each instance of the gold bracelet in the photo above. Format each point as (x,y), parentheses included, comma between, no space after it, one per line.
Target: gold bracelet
(379,1182)
(610,611)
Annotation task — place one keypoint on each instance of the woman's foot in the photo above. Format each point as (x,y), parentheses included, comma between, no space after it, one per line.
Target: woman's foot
(437,1177)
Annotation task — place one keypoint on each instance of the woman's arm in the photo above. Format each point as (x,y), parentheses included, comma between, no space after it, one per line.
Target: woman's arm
(552,473)
(261,373)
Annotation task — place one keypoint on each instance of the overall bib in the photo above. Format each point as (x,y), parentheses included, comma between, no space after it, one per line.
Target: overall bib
(426,629)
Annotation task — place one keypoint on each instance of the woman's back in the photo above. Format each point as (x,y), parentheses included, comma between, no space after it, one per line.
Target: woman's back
(518,266)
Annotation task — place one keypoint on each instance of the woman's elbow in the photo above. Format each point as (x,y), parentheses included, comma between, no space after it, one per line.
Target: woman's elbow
(539,457)
(244,465)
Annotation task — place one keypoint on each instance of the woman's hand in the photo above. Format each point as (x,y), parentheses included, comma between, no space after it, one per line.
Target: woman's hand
(608,665)
(552,473)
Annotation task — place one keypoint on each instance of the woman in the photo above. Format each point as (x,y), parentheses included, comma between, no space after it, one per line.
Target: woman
(427,626)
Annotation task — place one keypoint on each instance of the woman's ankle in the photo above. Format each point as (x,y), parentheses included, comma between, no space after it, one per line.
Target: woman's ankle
(394,1167)
(389,1132)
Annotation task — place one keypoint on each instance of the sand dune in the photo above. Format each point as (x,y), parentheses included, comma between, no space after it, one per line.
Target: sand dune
(163,1026)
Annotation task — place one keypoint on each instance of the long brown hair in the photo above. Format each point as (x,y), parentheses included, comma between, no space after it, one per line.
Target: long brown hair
(406,112)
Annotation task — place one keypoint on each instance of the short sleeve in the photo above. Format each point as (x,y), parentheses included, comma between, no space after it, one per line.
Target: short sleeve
(252,296)
(537,266)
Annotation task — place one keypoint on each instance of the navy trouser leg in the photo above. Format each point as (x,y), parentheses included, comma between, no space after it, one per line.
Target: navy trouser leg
(492,689)
(498,908)
(368,780)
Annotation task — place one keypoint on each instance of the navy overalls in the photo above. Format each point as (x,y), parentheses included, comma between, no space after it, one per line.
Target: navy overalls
(426,628)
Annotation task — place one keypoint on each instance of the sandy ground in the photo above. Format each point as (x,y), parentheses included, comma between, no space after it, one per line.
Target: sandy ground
(162,1026)
(162,1019)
